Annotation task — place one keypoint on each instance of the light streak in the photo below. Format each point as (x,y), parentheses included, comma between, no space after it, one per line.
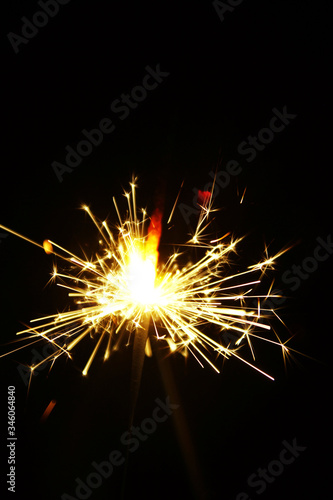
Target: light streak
(48,410)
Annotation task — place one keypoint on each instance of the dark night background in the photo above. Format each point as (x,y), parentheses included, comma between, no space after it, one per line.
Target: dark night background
(224,80)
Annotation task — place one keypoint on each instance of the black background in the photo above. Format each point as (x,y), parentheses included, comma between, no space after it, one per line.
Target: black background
(224,80)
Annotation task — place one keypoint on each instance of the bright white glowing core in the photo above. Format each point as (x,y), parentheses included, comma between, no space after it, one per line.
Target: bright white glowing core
(141,280)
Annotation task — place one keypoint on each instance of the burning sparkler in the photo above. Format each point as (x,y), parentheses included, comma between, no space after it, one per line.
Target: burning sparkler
(124,289)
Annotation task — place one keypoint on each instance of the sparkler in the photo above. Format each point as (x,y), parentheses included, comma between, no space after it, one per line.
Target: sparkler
(124,289)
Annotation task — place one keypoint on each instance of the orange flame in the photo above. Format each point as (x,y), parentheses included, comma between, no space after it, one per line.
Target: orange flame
(154,235)
(143,264)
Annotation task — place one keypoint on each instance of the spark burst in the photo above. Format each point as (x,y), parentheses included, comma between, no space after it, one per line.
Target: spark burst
(124,288)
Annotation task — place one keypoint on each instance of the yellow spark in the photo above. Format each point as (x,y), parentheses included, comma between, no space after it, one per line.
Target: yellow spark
(242,198)
(174,206)
(47,247)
